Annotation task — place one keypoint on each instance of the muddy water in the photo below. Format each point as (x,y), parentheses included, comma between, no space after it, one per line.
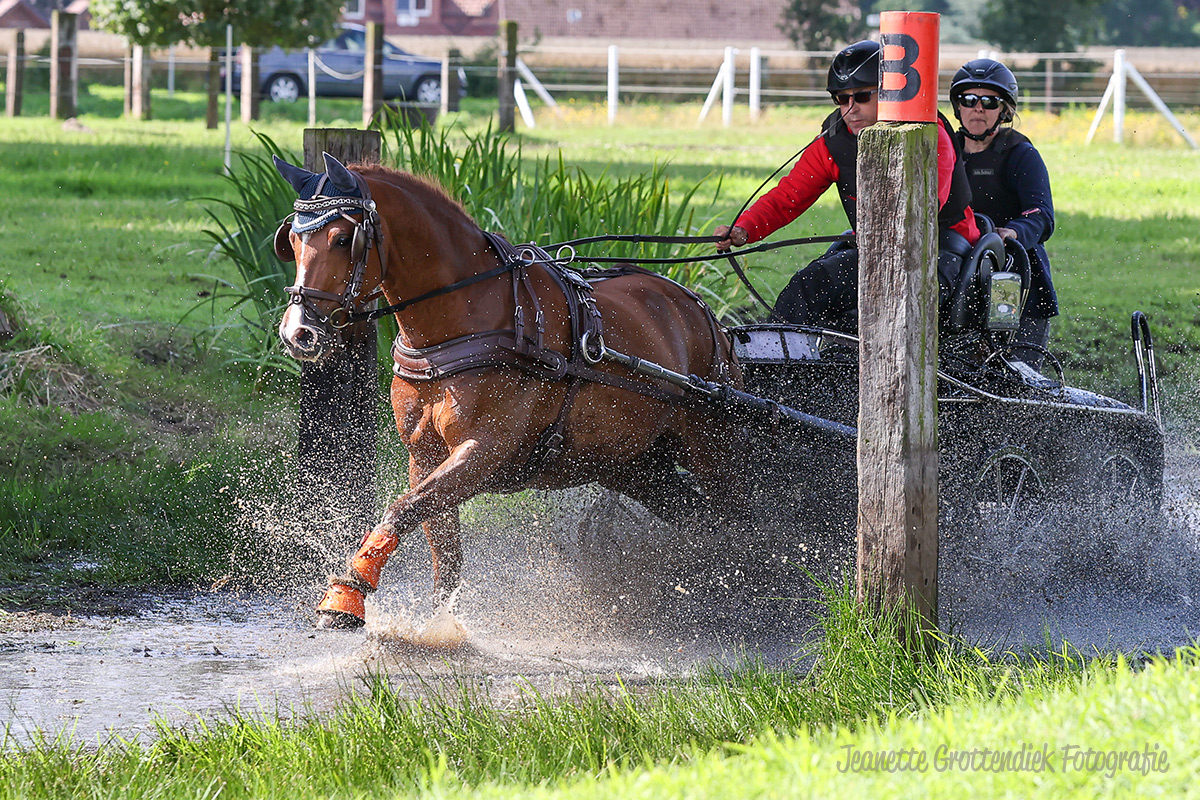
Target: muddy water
(558,590)
(200,654)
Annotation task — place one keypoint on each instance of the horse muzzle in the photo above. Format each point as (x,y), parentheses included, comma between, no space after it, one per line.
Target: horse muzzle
(305,342)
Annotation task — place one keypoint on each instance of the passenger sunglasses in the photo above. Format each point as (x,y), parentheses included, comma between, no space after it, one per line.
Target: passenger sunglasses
(990,102)
(859,97)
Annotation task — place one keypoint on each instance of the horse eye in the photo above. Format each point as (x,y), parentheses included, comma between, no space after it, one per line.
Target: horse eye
(341,240)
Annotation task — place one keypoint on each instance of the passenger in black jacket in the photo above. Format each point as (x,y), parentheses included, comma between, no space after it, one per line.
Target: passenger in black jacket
(1009,184)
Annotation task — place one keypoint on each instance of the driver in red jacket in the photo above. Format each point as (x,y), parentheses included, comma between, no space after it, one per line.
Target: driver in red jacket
(825,293)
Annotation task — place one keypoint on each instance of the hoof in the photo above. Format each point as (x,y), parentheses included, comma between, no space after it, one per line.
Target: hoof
(337,621)
(341,608)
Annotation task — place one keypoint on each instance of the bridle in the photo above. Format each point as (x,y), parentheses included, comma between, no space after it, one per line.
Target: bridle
(367,234)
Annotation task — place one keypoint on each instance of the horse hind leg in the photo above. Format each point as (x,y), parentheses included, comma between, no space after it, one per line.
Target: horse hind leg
(655,481)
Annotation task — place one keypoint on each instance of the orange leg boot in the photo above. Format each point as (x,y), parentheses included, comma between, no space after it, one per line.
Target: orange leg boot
(343,605)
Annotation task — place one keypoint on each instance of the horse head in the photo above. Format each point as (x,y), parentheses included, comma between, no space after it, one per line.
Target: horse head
(330,237)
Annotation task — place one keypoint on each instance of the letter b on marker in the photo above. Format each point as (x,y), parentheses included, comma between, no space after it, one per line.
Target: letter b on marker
(908,67)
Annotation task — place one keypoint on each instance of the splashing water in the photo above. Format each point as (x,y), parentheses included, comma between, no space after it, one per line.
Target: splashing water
(396,630)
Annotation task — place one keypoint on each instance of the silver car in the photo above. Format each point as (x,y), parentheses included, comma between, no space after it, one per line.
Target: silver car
(339,71)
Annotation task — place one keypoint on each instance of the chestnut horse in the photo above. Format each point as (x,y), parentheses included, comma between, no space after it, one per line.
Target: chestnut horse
(494,390)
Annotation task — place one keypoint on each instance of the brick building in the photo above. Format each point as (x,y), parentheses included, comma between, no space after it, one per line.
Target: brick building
(754,20)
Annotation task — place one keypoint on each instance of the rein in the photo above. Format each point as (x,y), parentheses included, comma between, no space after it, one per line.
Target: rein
(733,262)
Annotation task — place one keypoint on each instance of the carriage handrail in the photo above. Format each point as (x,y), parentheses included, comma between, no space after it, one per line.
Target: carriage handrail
(1143,349)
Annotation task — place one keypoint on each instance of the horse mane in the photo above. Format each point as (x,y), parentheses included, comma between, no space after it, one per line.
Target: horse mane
(419,184)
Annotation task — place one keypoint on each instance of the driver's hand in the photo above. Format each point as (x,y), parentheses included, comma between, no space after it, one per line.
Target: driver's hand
(1006,233)
(730,237)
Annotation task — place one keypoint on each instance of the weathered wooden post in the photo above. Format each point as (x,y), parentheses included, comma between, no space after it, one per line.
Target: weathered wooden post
(339,396)
(450,84)
(373,74)
(508,75)
(251,99)
(14,77)
(64,65)
(897,302)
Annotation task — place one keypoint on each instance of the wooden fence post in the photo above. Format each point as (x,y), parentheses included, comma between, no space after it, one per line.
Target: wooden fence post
(212,107)
(450,84)
(339,397)
(14,78)
(898,297)
(508,75)
(64,65)
(373,74)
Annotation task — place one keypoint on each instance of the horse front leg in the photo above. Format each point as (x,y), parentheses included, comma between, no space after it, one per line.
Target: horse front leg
(433,501)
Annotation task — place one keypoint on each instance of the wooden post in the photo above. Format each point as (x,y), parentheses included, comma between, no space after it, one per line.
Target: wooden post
(251,99)
(508,75)
(373,74)
(64,65)
(339,396)
(897,306)
(139,88)
(450,84)
(212,107)
(14,79)
(897,318)
(127,64)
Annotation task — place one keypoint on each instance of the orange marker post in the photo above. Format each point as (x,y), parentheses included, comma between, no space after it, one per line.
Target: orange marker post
(909,67)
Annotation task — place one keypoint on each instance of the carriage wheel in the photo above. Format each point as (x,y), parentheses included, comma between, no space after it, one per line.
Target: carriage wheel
(1126,519)
(1119,481)
(1009,494)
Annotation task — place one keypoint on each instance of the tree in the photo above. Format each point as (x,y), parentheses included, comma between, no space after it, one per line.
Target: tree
(1039,26)
(821,24)
(262,23)
(147,23)
(1151,23)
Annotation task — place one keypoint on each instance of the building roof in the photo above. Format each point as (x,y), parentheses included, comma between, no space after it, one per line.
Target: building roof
(20,14)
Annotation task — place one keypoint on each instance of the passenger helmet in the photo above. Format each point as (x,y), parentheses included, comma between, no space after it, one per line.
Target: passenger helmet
(855,67)
(985,73)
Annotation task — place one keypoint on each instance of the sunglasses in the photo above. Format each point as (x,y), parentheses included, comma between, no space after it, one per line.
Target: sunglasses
(859,97)
(990,102)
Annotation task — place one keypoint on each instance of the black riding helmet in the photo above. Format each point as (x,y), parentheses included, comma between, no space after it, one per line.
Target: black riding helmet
(855,67)
(985,73)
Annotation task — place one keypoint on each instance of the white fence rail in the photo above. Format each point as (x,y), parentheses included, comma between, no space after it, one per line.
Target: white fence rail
(761,78)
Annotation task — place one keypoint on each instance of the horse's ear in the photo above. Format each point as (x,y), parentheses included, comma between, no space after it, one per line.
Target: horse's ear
(283,242)
(296,176)
(339,175)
